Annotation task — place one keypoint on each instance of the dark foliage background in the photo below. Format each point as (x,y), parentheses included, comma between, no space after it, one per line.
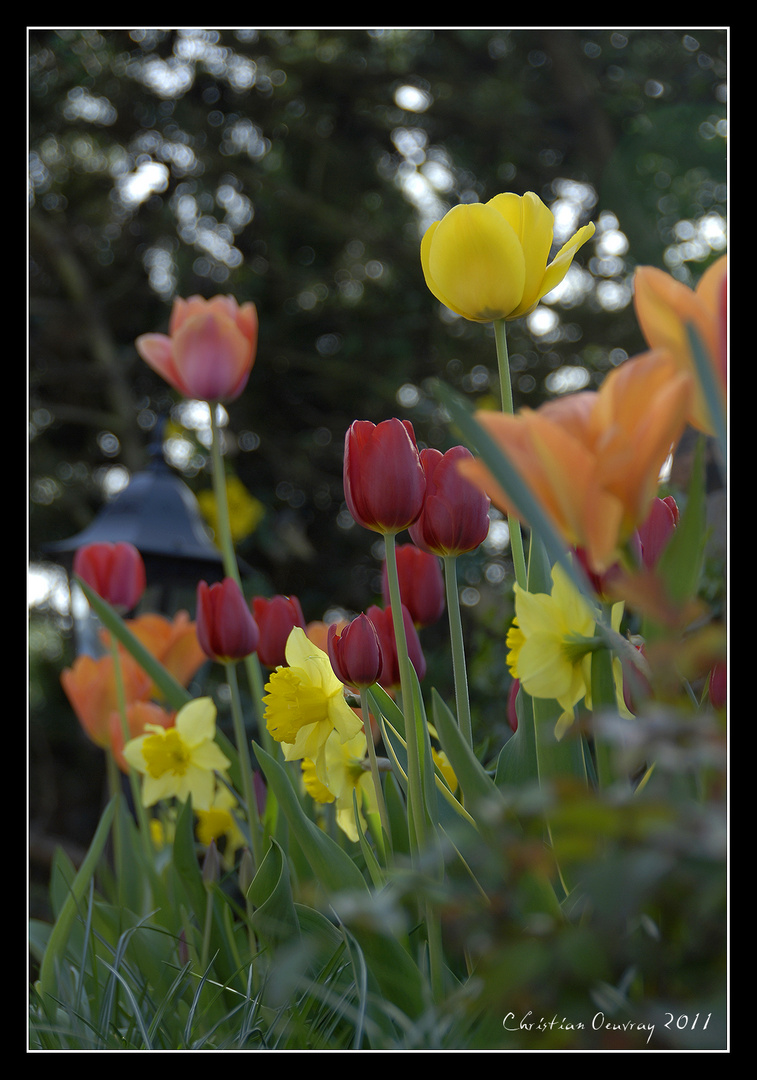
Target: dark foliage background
(298,168)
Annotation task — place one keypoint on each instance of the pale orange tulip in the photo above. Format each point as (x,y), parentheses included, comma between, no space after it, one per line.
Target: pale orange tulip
(90,687)
(664,307)
(173,642)
(593,459)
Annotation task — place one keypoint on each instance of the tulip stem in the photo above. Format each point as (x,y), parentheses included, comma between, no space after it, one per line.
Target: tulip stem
(245,763)
(458,649)
(415,803)
(506,391)
(139,810)
(365,709)
(230,564)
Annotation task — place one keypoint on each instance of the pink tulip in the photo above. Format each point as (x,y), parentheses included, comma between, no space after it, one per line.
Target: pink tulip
(210,348)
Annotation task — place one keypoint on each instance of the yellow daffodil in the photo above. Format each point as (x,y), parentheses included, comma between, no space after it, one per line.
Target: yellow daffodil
(347,771)
(550,644)
(218,823)
(245,511)
(665,308)
(305,703)
(180,761)
(489,261)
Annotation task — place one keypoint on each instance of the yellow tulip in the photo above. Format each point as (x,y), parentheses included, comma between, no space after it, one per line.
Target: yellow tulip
(489,261)
(664,308)
(593,458)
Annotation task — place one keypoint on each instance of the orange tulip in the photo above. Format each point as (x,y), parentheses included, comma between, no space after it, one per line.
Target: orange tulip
(209,350)
(173,642)
(593,458)
(90,687)
(665,306)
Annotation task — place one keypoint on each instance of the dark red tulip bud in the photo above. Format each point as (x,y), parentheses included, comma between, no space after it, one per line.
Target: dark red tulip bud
(384,481)
(421,584)
(276,618)
(390,672)
(355,653)
(455,514)
(116,572)
(226,629)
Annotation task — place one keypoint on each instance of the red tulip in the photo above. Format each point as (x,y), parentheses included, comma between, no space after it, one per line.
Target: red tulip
(384,482)
(116,572)
(210,349)
(657,529)
(421,584)
(275,618)
(718,688)
(455,514)
(226,628)
(355,653)
(390,672)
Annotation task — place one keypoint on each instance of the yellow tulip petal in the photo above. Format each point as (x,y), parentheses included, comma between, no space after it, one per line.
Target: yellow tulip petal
(474,263)
(561,263)
(534,225)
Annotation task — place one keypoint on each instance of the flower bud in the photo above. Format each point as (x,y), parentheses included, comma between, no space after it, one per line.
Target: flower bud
(116,572)
(455,514)
(210,349)
(383,478)
(488,261)
(355,653)
(657,529)
(421,584)
(275,618)
(226,628)
(390,672)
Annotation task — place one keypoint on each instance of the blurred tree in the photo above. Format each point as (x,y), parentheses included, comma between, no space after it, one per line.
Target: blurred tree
(298,168)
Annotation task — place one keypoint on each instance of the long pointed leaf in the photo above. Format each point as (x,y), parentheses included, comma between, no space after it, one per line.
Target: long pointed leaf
(59,936)
(175,694)
(331,864)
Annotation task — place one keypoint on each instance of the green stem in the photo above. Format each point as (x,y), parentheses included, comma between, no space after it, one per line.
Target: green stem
(230,564)
(458,649)
(223,521)
(417,821)
(139,810)
(245,762)
(384,816)
(506,391)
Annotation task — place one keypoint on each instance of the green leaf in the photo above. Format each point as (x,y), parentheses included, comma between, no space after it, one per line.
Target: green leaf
(603,697)
(185,862)
(512,483)
(274,918)
(332,866)
(59,936)
(476,784)
(517,764)
(680,564)
(174,693)
(711,391)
